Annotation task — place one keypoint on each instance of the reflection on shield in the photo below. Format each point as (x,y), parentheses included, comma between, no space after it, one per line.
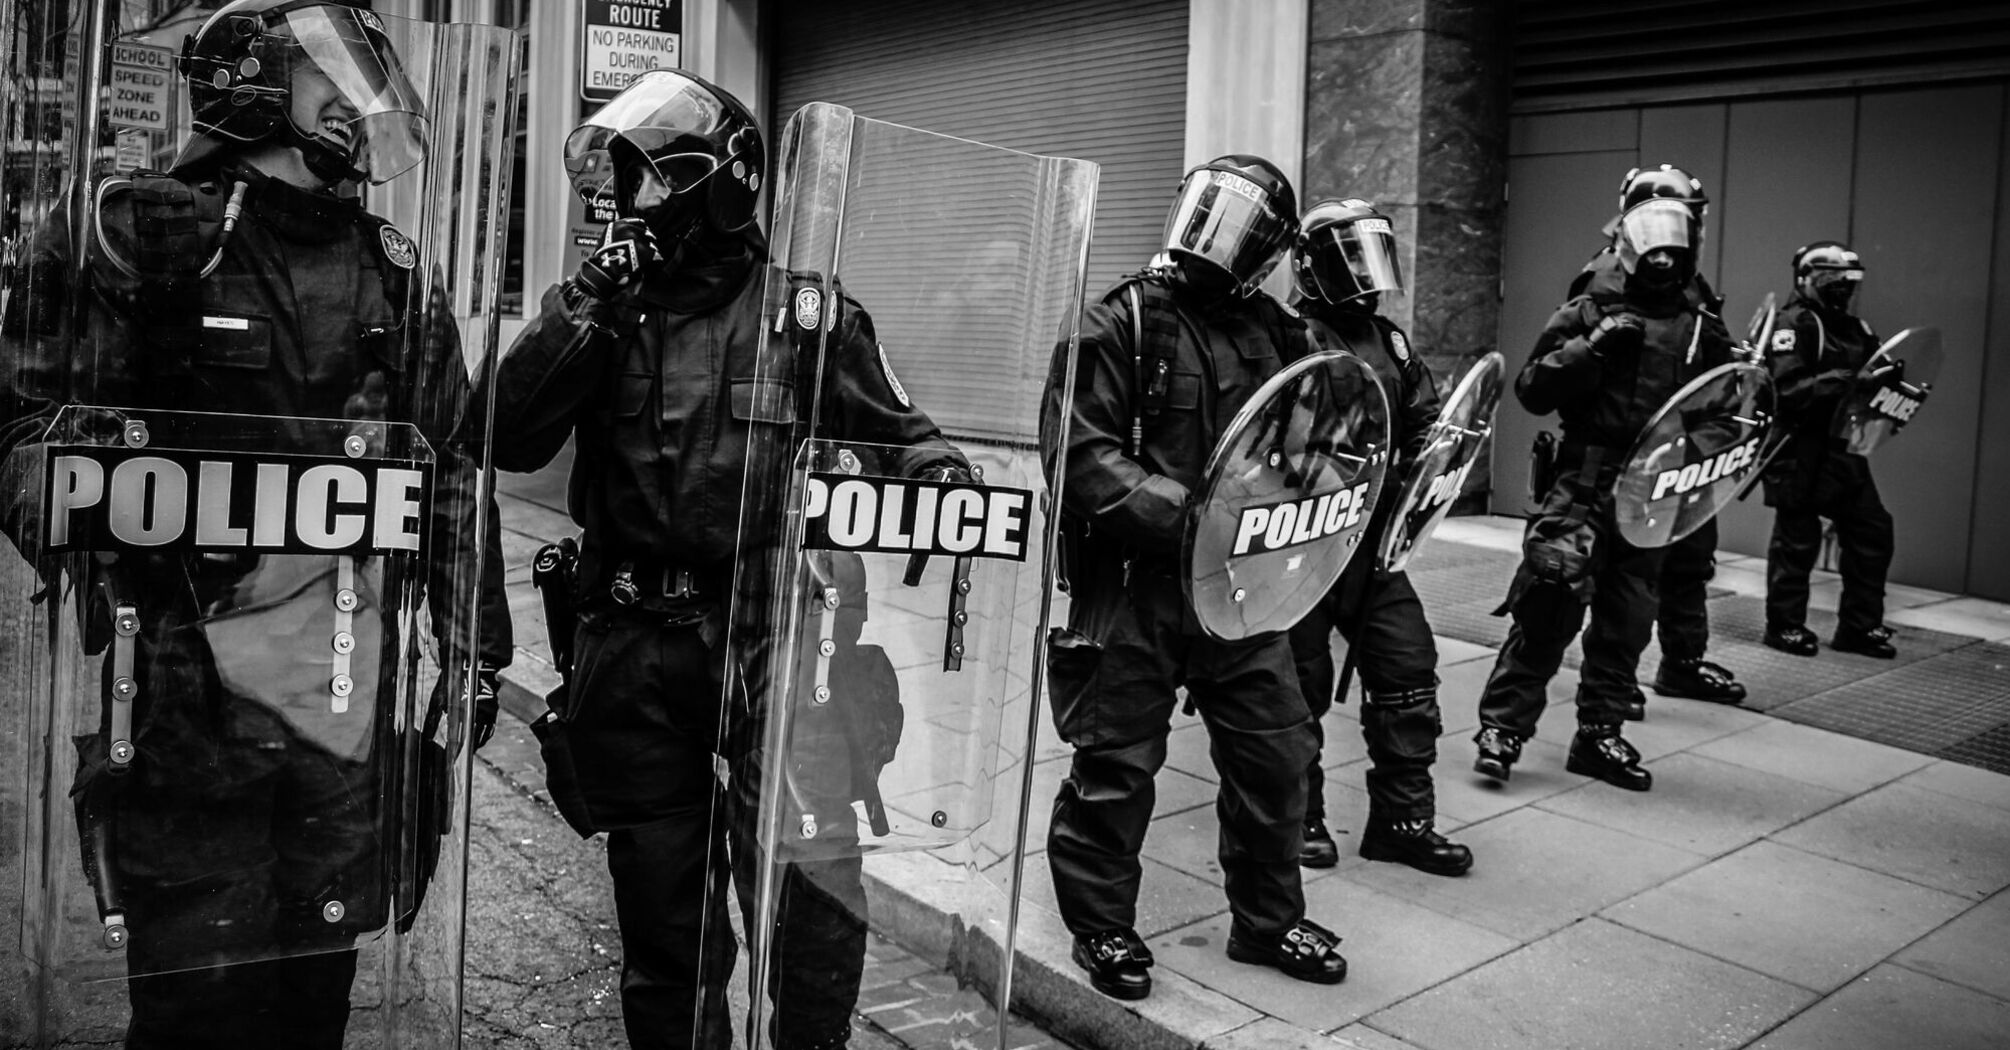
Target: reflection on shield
(1889,390)
(1289,488)
(1693,456)
(222,703)
(889,613)
(1451,447)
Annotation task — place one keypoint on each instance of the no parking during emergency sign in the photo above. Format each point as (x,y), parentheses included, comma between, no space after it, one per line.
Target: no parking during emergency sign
(623,39)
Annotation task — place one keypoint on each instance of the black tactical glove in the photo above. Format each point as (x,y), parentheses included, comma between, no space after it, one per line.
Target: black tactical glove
(1618,333)
(627,250)
(485,701)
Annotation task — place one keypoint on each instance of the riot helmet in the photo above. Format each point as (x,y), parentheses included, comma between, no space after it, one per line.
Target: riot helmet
(672,150)
(1236,214)
(321,77)
(1659,232)
(1828,272)
(1345,252)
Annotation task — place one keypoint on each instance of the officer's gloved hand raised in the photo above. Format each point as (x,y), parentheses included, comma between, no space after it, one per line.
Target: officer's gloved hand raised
(1620,333)
(627,251)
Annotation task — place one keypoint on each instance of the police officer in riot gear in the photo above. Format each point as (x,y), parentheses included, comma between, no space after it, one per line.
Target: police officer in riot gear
(1682,617)
(247,842)
(1817,350)
(1608,359)
(1166,359)
(1343,260)
(646,358)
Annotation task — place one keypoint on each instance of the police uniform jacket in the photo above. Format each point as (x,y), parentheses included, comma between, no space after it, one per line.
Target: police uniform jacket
(1184,386)
(1814,357)
(663,390)
(1406,381)
(1605,400)
(308,314)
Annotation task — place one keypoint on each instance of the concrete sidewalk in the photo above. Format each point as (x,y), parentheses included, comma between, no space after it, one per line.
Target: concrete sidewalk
(1783,885)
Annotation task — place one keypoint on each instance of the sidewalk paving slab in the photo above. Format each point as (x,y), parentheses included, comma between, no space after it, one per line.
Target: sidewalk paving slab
(1596,986)
(1935,840)
(1892,1007)
(1796,916)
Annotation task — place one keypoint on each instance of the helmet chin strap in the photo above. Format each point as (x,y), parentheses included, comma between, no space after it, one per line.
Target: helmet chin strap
(321,157)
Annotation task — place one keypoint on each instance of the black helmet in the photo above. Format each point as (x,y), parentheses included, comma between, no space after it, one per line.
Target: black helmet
(1236,213)
(673,150)
(244,68)
(1345,250)
(1661,221)
(1828,272)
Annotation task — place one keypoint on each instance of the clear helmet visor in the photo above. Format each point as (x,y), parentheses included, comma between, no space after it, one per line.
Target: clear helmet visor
(1227,220)
(672,123)
(349,89)
(1347,261)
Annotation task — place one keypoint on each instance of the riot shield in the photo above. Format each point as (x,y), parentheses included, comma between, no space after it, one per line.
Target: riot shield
(1451,447)
(244,559)
(1288,490)
(1889,390)
(1693,455)
(892,586)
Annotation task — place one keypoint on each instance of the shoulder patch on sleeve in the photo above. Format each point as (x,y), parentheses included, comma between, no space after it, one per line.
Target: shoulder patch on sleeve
(1783,341)
(398,248)
(892,380)
(810,309)
(1399,347)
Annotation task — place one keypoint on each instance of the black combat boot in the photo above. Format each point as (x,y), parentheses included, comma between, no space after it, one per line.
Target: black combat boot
(1320,850)
(1306,951)
(1118,963)
(1794,640)
(1499,750)
(1416,843)
(1698,679)
(1874,643)
(1599,751)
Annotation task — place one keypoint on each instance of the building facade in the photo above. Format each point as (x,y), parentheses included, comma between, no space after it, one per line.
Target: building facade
(1495,133)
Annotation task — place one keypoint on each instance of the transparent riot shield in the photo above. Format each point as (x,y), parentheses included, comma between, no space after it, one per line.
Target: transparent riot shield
(1889,390)
(1288,491)
(1451,447)
(1694,455)
(895,568)
(248,535)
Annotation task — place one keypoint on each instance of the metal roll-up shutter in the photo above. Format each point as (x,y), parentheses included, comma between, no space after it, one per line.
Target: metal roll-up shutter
(1579,54)
(1102,80)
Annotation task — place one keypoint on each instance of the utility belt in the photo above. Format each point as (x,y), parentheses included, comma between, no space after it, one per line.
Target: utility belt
(655,587)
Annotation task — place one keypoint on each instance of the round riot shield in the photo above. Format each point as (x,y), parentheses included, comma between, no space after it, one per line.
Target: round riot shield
(1451,447)
(1693,455)
(240,697)
(1288,491)
(1889,390)
(894,567)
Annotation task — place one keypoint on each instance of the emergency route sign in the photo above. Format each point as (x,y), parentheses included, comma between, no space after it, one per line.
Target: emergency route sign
(623,39)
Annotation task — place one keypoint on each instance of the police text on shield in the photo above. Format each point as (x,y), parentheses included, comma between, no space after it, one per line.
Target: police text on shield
(900,516)
(1275,526)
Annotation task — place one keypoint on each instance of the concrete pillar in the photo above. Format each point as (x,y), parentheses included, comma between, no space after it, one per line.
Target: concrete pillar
(1406,105)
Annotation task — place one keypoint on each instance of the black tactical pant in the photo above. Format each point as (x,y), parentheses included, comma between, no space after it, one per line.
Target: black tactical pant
(1684,613)
(644,737)
(1843,491)
(1547,615)
(1383,623)
(1115,705)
